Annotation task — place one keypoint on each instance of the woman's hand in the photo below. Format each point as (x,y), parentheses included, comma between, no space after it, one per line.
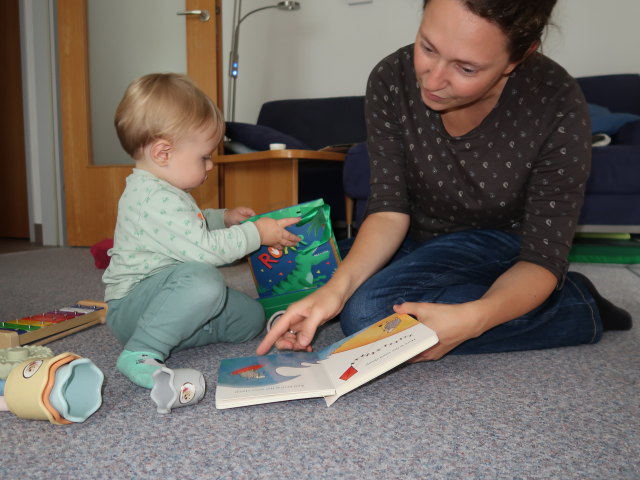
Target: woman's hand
(453,324)
(295,329)
(381,233)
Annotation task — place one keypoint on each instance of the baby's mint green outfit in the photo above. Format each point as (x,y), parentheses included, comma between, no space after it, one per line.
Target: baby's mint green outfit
(163,287)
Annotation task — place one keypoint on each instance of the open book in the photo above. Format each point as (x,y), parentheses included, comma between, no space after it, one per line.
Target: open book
(329,373)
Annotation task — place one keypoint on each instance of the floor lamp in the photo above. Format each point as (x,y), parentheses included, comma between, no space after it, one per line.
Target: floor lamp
(238,18)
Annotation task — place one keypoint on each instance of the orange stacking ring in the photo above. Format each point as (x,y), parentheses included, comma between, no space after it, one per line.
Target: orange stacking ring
(56,417)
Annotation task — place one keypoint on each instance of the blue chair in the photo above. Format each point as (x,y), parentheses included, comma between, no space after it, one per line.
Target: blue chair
(305,126)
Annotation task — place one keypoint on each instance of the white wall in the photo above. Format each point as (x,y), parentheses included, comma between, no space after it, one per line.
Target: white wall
(149,38)
(594,37)
(328,47)
(325,49)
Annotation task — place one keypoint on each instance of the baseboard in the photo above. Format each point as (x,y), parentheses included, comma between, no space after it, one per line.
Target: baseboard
(37,231)
(608,229)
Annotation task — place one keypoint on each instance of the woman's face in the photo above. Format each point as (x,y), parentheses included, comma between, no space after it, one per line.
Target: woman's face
(460,59)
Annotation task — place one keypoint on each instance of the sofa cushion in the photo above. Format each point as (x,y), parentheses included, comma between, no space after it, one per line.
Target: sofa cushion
(355,178)
(629,134)
(355,174)
(610,209)
(604,120)
(615,169)
(259,137)
(318,122)
(617,92)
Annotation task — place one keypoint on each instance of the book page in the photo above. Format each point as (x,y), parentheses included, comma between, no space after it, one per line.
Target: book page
(329,373)
(270,378)
(373,351)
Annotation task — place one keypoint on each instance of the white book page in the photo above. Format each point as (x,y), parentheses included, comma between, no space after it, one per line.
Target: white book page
(352,368)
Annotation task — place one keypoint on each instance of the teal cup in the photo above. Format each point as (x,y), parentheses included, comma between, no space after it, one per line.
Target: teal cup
(77,390)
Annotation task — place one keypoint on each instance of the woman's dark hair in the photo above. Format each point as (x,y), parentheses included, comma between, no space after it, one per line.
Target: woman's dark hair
(522,21)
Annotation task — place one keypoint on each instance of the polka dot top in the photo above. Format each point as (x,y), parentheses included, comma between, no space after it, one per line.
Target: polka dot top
(523,169)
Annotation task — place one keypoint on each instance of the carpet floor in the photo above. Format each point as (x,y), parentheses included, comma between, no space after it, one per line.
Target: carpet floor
(569,413)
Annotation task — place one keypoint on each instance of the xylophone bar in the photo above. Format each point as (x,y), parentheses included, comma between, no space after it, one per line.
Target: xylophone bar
(49,326)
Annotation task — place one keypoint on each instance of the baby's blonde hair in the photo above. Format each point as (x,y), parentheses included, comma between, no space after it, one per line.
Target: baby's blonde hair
(163,105)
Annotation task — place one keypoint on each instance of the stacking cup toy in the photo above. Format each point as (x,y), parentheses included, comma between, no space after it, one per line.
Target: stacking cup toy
(62,389)
(55,416)
(76,392)
(26,384)
(176,388)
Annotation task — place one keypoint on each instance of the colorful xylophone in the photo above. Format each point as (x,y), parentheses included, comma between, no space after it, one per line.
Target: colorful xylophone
(45,327)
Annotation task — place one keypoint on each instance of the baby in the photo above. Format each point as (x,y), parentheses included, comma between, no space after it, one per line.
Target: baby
(164,290)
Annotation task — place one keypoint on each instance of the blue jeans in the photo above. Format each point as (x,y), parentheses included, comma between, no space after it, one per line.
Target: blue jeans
(460,267)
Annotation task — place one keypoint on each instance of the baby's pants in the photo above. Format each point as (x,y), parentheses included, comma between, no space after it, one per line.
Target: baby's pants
(184,306)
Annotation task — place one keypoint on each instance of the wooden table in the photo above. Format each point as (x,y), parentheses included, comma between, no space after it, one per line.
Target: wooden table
(266,180)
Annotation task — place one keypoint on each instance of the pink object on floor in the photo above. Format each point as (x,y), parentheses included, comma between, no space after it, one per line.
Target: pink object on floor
(99,252)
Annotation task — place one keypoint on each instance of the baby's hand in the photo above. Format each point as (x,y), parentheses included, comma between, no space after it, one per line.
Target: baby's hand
(237,215)
(273,234)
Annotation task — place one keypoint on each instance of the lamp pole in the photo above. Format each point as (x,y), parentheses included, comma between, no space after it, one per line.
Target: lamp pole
(238,18)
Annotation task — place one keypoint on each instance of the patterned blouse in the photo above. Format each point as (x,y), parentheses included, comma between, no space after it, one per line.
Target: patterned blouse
(523,169)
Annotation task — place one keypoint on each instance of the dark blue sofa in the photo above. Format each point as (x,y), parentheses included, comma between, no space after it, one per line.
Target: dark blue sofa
(612,202)
(307,124)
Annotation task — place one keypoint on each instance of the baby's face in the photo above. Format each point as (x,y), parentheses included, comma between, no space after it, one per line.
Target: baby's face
(190,159)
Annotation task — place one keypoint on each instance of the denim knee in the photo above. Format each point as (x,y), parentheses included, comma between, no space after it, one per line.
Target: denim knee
(357,312)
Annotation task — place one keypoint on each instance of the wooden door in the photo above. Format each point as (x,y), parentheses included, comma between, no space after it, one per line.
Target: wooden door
(92,191)
(13,171)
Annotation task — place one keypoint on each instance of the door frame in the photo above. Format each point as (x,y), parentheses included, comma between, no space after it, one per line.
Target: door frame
(13,169)
(92,191)
(43,145)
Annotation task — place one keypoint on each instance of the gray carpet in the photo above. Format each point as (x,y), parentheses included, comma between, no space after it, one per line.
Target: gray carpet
(571,413)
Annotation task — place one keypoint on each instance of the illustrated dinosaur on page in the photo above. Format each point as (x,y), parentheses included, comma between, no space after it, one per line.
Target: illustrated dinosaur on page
(303,275)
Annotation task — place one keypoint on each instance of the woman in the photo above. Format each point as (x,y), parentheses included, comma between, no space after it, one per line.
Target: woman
(480,150)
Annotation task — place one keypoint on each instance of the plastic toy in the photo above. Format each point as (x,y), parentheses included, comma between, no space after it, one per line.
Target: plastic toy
(177,388)
(48,326)
(63,389)
(10,357)
(75,393)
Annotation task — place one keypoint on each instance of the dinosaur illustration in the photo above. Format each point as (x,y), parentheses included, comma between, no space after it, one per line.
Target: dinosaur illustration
(302,276)
(303,267)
